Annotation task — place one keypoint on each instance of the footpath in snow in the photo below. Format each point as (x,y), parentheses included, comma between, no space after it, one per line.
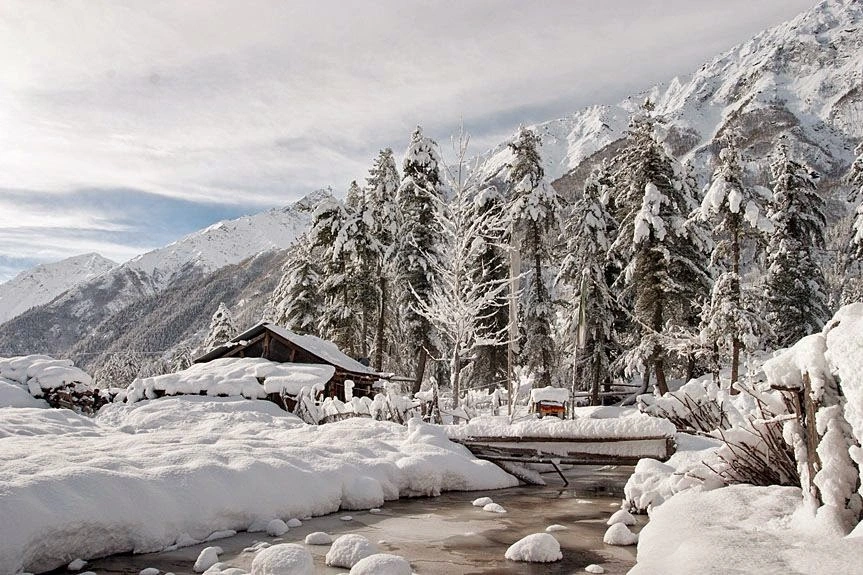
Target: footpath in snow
(154,474)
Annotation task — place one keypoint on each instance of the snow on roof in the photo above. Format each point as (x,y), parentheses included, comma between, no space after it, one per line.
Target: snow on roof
(553,394)
(635,426)
(326,350)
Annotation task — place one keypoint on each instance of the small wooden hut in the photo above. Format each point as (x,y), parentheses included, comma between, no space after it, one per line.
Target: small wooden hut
(278,344)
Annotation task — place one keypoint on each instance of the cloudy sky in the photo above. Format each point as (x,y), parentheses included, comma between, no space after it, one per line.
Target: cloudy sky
(125,125)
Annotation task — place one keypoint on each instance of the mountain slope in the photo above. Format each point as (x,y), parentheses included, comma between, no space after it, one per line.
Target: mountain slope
(59,325)
(43,283)
(801,78)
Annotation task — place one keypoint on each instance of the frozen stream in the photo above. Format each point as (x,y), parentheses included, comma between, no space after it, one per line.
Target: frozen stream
(447,534)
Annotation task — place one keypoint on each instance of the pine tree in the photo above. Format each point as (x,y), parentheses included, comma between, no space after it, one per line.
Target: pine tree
(535,215)
(420,197)
(335,320)
(665,277)
(489,265)
(382,186)
(222,329)
(296,300)
(851,253)
(583,274)
(795,289)
(118,370)
(353,196)
(731,320)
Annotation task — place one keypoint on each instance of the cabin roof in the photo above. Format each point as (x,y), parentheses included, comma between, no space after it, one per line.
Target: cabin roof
(325,350)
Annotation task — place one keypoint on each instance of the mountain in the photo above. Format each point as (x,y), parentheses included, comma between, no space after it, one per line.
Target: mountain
(801,78)
(43,283)
(73,316)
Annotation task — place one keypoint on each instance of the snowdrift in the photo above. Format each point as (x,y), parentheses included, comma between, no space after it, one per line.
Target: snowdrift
(26,379)
(145,476)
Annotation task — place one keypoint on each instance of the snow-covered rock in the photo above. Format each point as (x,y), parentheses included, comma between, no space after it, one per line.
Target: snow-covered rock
(319,538)
(535,548)
(619,534)
(594,568)
(348,549)
(482,501)
(493,508)
(277,528)
(293,522)
(556,527)
(621,516)
(76,565)
(382,564)
(283,559)
(208,557)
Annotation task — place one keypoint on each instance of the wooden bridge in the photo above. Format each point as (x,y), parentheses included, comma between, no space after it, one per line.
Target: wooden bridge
(561,448)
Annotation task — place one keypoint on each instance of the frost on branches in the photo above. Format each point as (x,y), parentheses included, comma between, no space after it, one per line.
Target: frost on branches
(535,215)
(795,286)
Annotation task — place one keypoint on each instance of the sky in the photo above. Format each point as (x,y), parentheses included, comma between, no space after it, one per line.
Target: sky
(125,125)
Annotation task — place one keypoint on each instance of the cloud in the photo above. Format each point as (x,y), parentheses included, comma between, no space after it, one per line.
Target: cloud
(255,103)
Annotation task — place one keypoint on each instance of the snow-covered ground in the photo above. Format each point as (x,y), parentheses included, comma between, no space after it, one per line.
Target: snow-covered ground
(153,474)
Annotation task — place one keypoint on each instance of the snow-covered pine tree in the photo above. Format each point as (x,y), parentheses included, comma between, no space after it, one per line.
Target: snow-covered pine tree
(489,265)
(851,254)
(583,276)
(382,186)
(222,328)
(118,370)
(420,197)
(796,296)
(731,321)
(296,301)
(363,253)
(665,277)
(534,211)
(353,196)
(335,318)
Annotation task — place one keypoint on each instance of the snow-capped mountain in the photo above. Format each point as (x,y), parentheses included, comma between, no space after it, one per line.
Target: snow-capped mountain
(74,314)
(43,283)
(802,78)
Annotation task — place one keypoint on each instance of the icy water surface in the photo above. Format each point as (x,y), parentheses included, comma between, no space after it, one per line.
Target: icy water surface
(447,535)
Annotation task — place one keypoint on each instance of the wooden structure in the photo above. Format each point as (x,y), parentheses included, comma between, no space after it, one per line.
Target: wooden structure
(569,451)
(276,343)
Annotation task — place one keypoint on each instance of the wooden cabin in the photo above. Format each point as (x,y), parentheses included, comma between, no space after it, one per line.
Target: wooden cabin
(276,343)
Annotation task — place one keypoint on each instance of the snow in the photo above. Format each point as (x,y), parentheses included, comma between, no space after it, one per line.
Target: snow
(203,465)
(149,571)
(535,548)
(233,377)
(621,516)
(326,350)
(558,395)
(382,564)
(318,538)
(76,565)
(283,559)
(741,529)
(555,527)
(647,219)
(41,284)
(277,528)
(348,549)
(482,501)
(633,426)
(493,508)
(619,534)
(208,557)
(293,522)
(594,568)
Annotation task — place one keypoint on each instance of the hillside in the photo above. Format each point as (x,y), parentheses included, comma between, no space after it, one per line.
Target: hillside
(43,283)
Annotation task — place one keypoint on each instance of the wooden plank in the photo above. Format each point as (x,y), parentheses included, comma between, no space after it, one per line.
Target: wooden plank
(240,348)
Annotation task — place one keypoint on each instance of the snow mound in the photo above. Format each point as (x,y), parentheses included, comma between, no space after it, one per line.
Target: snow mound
(536,548)
(319,538)
(382,564)
(24,380)
(284,559)
(208,557)
(555,527)
(348,549)
(149,571)
(293,522)
(493,508)
(277,528)
(482,501)
(594,568)
(362,492)
(550,394)
(619,534)
(622,516)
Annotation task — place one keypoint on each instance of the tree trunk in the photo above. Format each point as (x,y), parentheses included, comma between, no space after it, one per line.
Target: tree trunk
(422,357)
(456,376)
(594,384)
(379,338)
(735,364)
(661,384)
(736,344)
